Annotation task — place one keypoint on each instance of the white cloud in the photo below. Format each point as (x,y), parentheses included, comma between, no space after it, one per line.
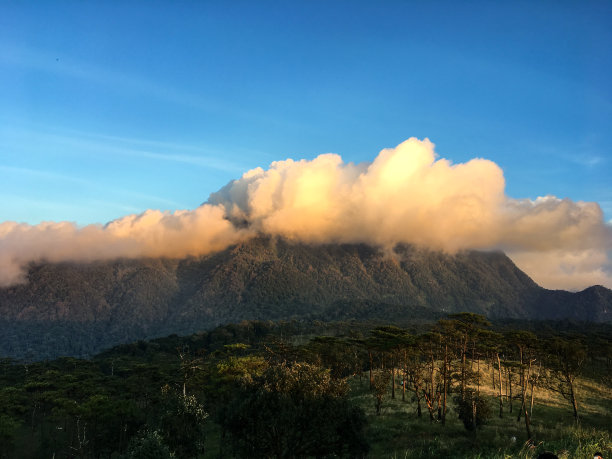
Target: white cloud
(406,195)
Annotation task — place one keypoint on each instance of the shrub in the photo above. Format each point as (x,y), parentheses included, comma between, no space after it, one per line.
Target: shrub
(474,411)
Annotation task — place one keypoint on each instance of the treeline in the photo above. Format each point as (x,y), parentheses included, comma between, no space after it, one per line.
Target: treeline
(263,389)
(451,357)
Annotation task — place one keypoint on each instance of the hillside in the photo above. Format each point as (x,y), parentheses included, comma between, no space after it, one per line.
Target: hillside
(79,309)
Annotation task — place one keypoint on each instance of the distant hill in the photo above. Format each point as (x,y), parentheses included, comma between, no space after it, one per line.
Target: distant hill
(79,309)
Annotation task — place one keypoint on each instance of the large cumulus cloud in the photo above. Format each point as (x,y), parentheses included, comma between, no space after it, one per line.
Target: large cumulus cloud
(406,195)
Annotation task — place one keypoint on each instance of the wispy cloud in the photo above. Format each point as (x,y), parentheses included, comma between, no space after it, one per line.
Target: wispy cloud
(56,63)
(63,178)
(587,160)
(21,138)
(42,174)
(124,82)
(585,153)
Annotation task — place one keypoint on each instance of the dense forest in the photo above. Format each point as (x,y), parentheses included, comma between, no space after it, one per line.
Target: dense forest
(459,387)
(80,309)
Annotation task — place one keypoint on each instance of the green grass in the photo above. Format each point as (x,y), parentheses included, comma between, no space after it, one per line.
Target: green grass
(399,433)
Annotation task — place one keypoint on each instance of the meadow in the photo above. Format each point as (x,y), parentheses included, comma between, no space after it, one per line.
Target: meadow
(398,433)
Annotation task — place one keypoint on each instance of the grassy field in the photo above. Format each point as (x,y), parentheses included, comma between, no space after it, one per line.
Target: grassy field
(399,433)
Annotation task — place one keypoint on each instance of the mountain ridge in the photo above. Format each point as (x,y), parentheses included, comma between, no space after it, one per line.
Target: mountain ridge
(107,303)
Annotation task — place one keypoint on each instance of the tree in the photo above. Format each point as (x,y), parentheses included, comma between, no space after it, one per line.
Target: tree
(182,423)
(468,326)
(295,410)
(474,411)
(392,342)
(380,382)
(525,344)
(494,343)
(8,432)
(566,359)
(147,444)
(337,354)
(446,332)
(428,345)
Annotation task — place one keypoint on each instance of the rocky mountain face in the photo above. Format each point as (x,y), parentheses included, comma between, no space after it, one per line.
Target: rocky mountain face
(79,309)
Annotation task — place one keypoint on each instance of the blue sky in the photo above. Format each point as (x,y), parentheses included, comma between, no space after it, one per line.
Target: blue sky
(110,108)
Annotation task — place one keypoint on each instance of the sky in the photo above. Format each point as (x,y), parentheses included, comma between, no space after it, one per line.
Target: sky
(114,110)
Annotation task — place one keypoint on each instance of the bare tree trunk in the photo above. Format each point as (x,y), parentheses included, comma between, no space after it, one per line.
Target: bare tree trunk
(492,373)
(501,402)
(428,394)
(510,388)
(433,386)
(533,384)
(573,398)
(404,380)
(522,384)
(478,376)
(393,381)
(527,420)
(445,383)
(371,363)
(506,385)
(464,351)
(531,402)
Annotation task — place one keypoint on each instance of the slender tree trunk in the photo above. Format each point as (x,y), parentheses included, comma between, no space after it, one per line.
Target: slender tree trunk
(510,388)
(492,373)
(501,402)
(573,398)
(473,355)
(531,402)
(404,380)
(429,401)
(445,384)
(371,363)
(533,384)
(527,420)
(464,351)
(393,382)
(506,385)
(433,387)
(522,384)
(478,376)
(439,401)
(417,388)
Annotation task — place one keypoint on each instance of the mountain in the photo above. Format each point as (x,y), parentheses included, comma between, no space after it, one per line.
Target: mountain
(79,309)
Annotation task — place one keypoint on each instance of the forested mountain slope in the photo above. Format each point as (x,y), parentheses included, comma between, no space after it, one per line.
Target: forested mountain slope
(78,309)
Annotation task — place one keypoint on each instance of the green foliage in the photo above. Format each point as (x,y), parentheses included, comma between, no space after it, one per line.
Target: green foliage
(473,410)
(81,309)
(282,390)
(295,411)
(380,383)
(182,424)
(8,432)
(147,444)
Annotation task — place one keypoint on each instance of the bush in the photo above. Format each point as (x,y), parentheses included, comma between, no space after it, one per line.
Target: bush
(147,445)
(295,411)
(474,411)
